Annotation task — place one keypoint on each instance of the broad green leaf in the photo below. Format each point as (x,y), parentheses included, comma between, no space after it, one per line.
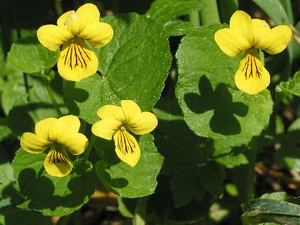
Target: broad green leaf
(270,210)
(164,11)
(19,216)
(274,9)
(133,66)
(126,181)
(25,108)
(29,56)
(212,105)
(52,196)
(292,86)
(177,28)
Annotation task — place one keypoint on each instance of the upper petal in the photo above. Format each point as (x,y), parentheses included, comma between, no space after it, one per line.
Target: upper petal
(230,42)
(259,29)
(63,19)
(33,143)
(111,112)
(76,61)
(106,128)
(127,148)
(98,34)
(64,126)
(241,24)
(82,18)
(252,77)
(143,124)
(52,37)
(42,127)
(276,40)
(130,110)
(57,164)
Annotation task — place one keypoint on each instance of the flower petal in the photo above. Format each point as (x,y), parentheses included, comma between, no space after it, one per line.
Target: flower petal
(33,143)
(106,128)
(63,126)
(43,126)
(77,61)
(259,29)
(63,19)
(86,15)
(130,109)
(252,77)
(75,143)
(52,37)
(127,148)
(241,24)
(230,42)
(143,124)
(111,112)
(98,34)
(276,40)
(57,164)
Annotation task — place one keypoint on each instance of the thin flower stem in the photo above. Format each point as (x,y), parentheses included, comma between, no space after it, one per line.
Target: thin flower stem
(195,18)
(52,98)
(25,79)
(58,7)
(140,211)
(227,8)
(89,148)
(210,13)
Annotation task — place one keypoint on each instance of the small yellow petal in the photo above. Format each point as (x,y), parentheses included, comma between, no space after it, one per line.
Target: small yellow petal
(252,77)
(143,124)
(57,164)
(259,29)
(106,128)
(276,40)
(33,143)
(241,23)
(111,112)
(76,143)
(52,37)
(63,19)
(127,148)
(98,34)
(76,61)
(63,126)
(130,110)
(43,126)
(230,42)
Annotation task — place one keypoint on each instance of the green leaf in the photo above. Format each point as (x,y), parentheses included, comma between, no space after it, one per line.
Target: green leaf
(178,28)
(133,66)
(126,181)
(52,196)
(270,210)
(5,132)
(164,11)
(292,86)
(29,56)
(212,105)
(19,216)
(274,9)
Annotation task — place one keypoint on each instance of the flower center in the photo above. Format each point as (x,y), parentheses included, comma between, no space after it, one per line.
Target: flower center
(125,142)
(252,66)
(56,155)
(76,55)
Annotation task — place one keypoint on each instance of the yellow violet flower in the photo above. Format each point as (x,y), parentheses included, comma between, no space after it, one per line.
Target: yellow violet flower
(114,123)
(250,36)
(76,60)
(59,136)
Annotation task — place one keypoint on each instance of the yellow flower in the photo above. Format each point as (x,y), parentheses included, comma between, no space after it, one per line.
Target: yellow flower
(59,136)
(113,124)
(251,35)
(76,60)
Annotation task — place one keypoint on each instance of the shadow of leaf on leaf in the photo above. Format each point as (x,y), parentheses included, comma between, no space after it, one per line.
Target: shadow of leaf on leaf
(223,120)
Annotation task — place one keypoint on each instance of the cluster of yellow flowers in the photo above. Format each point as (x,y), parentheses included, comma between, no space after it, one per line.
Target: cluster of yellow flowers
(77,61)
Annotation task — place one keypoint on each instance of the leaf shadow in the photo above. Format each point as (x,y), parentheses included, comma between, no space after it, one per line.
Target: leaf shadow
(220,101)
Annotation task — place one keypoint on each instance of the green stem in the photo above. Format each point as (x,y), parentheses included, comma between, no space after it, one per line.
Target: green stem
(210,13)
(140,212)
(52,98)
(25,79)
(227,8)
(58,7)
(88,150)
(195,18)
(245,176)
